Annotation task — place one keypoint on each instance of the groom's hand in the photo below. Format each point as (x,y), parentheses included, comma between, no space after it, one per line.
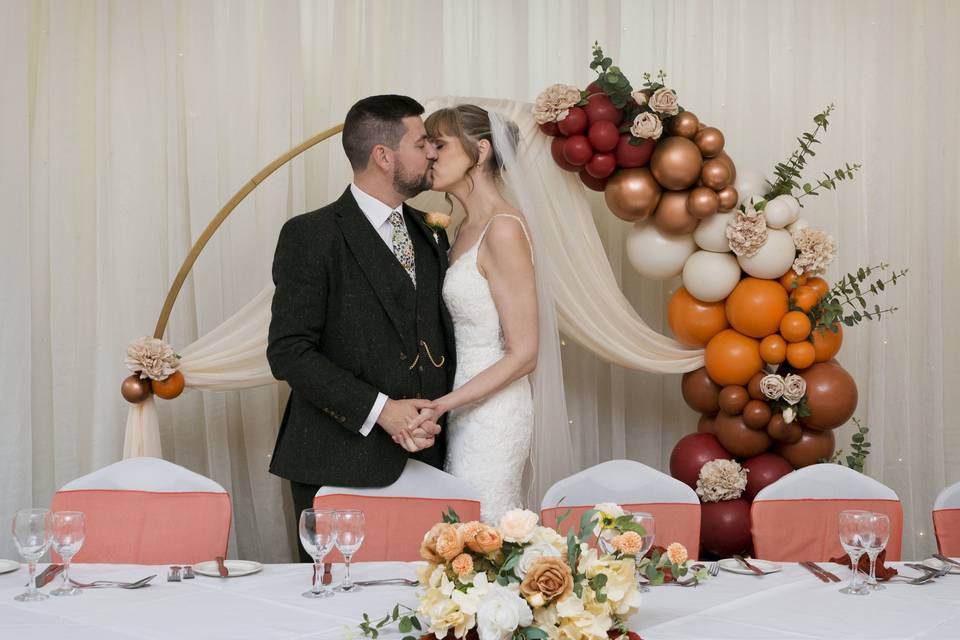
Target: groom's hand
(397,415)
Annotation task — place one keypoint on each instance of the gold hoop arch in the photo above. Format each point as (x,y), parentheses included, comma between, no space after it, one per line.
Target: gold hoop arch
(222,215)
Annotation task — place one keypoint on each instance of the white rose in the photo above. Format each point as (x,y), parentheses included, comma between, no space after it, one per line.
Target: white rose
(501,612)
(518,525)
(664,101)
(647,125)
(639,97)
(772,386)
(531,554)
(794,388)
(789,414)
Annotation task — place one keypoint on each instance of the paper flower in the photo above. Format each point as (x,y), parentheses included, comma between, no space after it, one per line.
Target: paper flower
(553,104)
(816,249)
(664,101)
(794,388)
(746,233)
(772,386)
(151,358)
(721,480)
(677,553)
(647,125)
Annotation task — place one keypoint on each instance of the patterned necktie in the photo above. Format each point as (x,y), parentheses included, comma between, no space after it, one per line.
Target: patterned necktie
(402,246)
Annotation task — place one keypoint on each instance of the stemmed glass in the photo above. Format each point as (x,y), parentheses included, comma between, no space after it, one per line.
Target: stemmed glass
(880,527)
(856,537)
(647,521)
(350,532)
(317,534)
(67,537)
(31,534)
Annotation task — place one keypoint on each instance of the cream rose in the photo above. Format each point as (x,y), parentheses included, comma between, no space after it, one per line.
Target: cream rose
(533,553)
(554,103)
(664,101)
(794,388)
(518,525)
(772,386)
(640,97)
(647,125)
(500,613)
(547,579)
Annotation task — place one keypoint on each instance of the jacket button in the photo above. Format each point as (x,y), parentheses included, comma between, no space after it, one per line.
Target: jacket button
(403,356)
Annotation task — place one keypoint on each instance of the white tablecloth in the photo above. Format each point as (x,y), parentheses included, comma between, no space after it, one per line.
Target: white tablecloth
(789,604)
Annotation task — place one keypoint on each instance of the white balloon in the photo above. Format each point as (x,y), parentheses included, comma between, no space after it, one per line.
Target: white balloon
(778,213)
(711,276)
(656,255)
(774,258)
(711,233)
(801,223)
(794,205)
(750,183)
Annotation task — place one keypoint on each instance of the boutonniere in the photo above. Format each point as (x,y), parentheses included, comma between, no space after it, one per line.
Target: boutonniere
(437,221)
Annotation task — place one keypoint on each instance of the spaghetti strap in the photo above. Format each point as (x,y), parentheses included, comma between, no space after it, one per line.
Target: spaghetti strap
(523,228)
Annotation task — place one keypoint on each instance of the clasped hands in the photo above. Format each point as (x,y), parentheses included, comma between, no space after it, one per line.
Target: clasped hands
(412,423)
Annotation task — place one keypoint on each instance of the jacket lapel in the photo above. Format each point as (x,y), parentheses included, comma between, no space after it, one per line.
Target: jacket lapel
(421,225)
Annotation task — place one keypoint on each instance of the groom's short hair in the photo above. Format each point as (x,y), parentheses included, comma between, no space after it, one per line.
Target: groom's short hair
(376,120)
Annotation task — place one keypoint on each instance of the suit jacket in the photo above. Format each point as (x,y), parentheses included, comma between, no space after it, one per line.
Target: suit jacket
(348,323)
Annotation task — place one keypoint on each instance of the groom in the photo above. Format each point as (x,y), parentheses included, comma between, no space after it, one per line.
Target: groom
(359,330)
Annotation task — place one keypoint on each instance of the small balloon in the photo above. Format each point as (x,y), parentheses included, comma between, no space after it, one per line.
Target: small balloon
(727,198)
(783,431)
(671,215)
(656,255)
(633,155)
(812,447)
(774,257)
(778,214)
(732,399)
(710,141)
(702,202)
(700,392)
(739,439)
(685,124)
(711,234)
(753,387)
(134,389)
(632,194)
(716,174)
(169,388)
(710,276)
(756,414)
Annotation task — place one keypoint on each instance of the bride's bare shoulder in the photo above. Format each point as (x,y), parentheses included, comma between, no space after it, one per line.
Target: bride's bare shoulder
(507,234)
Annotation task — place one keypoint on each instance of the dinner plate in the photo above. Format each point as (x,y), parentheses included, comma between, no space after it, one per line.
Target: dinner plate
(731,565)
(236,568)
(937,565)
(6,566)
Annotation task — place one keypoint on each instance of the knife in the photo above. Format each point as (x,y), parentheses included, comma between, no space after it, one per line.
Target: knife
(943,558)
(746,564)
(833,577)
(48,574)
(222,568)
(809,568)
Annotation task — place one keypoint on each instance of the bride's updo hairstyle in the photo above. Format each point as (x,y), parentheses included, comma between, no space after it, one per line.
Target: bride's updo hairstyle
(470,124)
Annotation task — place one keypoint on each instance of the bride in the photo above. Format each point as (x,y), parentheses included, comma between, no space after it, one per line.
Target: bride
(490,290)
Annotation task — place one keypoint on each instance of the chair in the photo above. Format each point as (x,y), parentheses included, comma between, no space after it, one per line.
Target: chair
(946,520)
(148,511)
(635,487)
(397,516)
(795,518)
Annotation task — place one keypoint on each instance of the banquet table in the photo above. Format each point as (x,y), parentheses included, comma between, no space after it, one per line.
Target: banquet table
(789,604)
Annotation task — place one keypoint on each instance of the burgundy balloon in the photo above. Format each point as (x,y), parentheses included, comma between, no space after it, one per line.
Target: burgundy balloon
(733,398)
(763,470)
(604,135)
(600,109)
(739,439)
(550,128)
(700,392)
(725,527)
(831,396)
(630,155)
(577,150)
(693,451)
(556,150)
(601,165)
(575,122)
(595,184)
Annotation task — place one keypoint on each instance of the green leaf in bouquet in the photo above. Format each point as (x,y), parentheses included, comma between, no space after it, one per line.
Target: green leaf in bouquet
(534,633)
(415,621)
(586,523)
(563,516)
(405,625)
(451,517)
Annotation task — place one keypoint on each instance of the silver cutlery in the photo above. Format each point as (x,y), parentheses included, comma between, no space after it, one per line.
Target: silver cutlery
(945,559)
(714,569)
(373,583)
(924,579)
(104,584)
(937,573)
(174,575)
(188,573)
(832,576)
(692,582)
(819,575)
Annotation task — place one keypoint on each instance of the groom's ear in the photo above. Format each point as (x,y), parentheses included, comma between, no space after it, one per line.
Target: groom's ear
(381,157)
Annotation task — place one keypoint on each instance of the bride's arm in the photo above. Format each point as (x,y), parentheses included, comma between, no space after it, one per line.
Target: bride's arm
(505,259)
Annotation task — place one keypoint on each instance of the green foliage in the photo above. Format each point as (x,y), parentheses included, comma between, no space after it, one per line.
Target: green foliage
(846,302)
(406,622)
(859,446)
(451,517)
(610,78)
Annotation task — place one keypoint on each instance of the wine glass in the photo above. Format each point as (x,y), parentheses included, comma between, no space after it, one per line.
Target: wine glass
(855,537)
(350,532)
(31,534)
(880,528)
(648,522)
(66,538)
(317,534)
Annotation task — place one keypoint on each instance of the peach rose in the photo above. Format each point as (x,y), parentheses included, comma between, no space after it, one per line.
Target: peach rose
(518,525)
(449,543)
(469,530)
(437,220)
(462,564)
(628,543)
(548,579)
(428,548)
(486,540)
(664,101)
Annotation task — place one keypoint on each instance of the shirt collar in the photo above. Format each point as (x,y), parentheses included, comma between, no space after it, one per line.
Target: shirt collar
(375,211)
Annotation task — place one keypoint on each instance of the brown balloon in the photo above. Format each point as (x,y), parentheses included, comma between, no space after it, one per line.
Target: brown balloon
(716,174)
(782,431)
(733,398)
(671,216)
(676,163)
(685,124)
(134,390)
(753,387)
(729,162)
(831,396)
(739,439)
(632,194)
(700,392)
(728,198)
(812,447)
(756,414)
(710,141)
(706,424)
(703,202)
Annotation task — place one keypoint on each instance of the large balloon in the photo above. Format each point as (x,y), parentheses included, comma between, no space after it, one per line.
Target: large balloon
(633,155)
(756,306)
(672,216)
(694,321)
(699,391)
(739,439)
(831,396)
(774,257)
(750,183)
(725,527)
(711,234)
(826,342)
(711,276)
(692,452)
(632,194)
(763,470)
(732,358)
(656,255)
(812,447)
(676,163)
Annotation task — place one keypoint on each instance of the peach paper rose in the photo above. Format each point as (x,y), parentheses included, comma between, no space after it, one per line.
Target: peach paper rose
(548,579)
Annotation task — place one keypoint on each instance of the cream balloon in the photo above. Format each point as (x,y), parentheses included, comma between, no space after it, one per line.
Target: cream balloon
(791,202)
(778,213)
(750,183)
(774,257)
(657,255)
(711,233)
(801,223)
(711,276)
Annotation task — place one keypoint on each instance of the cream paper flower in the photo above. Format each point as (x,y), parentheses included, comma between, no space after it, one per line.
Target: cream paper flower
(518,525)
(532,553)
(794,388)
(554,103)
(664,101)
(647,125)
(152,358)
(640,97)
(772,386)
(747,232)
(721,480)
(816,250)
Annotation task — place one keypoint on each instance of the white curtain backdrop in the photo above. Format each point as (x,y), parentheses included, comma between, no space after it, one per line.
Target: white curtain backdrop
(126,125)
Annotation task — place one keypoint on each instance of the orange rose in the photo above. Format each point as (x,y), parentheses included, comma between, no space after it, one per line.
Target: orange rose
(428,548)
(462,564)
(486,540)
(437,220)
(449,542)
(548,578)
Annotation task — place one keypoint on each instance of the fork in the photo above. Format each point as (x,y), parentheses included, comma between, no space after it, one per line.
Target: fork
(937,573)
(714,569)
(372,583)
(174,575)
(103,584)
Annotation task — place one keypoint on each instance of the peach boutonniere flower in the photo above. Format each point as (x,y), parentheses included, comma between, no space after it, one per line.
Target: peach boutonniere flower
(437,221)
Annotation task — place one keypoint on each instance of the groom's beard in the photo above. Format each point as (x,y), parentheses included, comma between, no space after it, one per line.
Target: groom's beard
(412,185)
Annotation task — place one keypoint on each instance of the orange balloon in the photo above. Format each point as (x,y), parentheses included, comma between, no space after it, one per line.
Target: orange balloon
(826,343)
(756,306)
(732,358)
(773,349)
(693,321)
(790,280)
(169,388)
(819,285)
(795,326)
(804,297)
(800,355)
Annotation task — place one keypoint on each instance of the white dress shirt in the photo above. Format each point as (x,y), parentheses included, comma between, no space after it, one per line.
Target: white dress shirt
(378,215)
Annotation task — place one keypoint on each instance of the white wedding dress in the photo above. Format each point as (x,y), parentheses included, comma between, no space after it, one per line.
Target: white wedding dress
(488,442)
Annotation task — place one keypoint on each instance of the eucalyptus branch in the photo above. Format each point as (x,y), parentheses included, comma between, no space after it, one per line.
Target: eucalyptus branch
(789,172)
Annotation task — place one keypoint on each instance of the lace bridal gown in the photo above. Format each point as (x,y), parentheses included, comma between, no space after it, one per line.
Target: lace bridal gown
(488,442)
